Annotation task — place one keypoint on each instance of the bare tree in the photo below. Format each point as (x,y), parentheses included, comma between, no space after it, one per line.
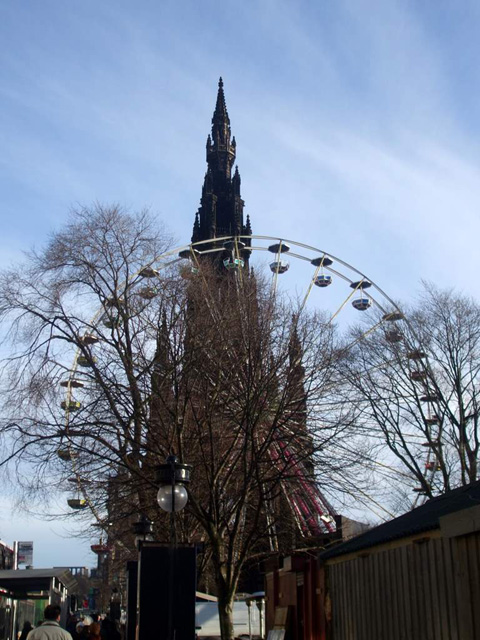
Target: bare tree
(249,403)
(55,309)
(123,357)
(419,390)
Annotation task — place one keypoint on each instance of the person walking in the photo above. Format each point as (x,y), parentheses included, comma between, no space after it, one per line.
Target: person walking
(94,632)
(27,627)
(109,630)
(50,628)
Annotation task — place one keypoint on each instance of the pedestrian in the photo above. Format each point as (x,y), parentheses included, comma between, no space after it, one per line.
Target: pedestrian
(83,631)
(71,624)
(109,630)
(94,633)
(27,627)
(50,628)
(77,634)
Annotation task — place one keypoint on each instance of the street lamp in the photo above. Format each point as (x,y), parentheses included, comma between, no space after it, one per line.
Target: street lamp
(143,530)
(172,495)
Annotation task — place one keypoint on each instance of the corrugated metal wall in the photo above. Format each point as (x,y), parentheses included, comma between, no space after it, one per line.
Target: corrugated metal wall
(420,591)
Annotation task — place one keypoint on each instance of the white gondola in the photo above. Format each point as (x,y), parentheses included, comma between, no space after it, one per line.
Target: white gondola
(429,398)
(279,266)
(188,254)
(393,336)
(148,293)
(323,280)
(148,272)
(113,302)
(360,284)
(393,316)
(72,405)
(72,384)
(111,322)
(321,261)
(362,304)
(233,263)
(280,247)
(77,503)
(433,444)
(416,354)
(418,376)
(88,339)
(187,271)
(66,454)
(233,245)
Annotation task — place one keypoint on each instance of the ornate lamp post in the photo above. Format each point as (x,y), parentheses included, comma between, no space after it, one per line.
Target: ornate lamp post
(143,530)
(172,497)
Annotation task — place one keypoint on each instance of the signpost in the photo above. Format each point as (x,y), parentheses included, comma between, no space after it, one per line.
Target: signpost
(25,553)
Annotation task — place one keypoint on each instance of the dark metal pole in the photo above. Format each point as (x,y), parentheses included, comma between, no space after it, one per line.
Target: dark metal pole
(173,532)
(173,544)
(167,476)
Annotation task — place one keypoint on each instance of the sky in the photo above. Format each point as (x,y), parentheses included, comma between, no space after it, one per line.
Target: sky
(356,124)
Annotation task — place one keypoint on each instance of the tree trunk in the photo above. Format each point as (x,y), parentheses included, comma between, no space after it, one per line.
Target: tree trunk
(225,615)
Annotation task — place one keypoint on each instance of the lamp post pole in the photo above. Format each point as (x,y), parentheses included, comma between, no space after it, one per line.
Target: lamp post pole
(173,532)
(143,530)
(172,497)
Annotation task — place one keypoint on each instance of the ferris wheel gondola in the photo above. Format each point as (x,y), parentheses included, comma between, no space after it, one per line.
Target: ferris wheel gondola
(393,336)
(148,272)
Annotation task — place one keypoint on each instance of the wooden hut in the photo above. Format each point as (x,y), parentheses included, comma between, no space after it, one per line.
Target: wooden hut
(416,577)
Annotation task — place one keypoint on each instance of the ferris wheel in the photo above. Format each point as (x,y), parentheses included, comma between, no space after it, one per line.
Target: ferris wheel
(317,279)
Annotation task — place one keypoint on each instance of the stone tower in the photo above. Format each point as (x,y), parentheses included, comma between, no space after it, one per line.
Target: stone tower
(221,205)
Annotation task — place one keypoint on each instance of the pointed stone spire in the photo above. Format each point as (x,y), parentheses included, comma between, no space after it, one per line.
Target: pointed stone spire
(236,182)
(162,402)
(296,375)
(162,353)
(220,115)
(221,204)
(196,228)
(222,153)
(295,349)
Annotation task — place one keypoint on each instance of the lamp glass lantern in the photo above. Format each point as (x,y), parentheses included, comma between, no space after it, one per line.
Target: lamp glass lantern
(172,477)
(143,530)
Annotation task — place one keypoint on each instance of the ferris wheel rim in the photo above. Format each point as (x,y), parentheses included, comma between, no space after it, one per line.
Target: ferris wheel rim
(204,247)
(279,239)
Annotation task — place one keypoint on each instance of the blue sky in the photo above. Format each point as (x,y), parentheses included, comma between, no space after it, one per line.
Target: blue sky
(356,123)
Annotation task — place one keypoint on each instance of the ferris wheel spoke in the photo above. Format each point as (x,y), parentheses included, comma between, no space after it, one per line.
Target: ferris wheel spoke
(347,299)
(363,335)
(310,287)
